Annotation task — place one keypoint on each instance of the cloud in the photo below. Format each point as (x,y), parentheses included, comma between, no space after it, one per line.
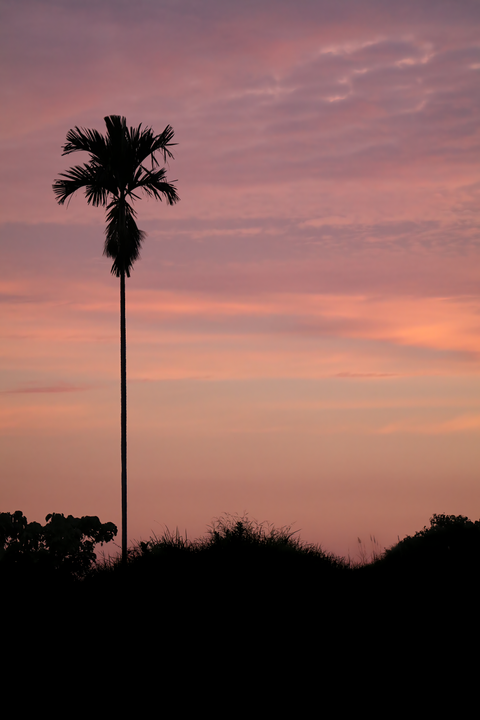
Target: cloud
(45,389)
(459,424)
(367,375)
(326,163)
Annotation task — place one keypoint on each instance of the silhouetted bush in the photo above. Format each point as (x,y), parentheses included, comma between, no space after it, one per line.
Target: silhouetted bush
(63,544)
(232,538)
(451,542)
(247,566)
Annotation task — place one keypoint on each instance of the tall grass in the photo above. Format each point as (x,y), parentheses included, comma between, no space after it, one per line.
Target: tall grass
(233,536)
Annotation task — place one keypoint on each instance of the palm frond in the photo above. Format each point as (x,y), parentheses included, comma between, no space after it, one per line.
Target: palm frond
(89,177)
(123,238)
(154,185)
(121,151)
(162,143)
(85,140)
(148,144)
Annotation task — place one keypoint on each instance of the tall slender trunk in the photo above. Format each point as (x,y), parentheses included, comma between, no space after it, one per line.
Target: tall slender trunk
(123,368)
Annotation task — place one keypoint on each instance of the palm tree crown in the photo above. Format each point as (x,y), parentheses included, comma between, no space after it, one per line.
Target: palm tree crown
(115,172)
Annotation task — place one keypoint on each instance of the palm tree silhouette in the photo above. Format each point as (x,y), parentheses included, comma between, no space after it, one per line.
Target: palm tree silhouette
(113,175)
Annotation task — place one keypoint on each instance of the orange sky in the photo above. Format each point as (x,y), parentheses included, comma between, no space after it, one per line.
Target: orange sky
(303,327)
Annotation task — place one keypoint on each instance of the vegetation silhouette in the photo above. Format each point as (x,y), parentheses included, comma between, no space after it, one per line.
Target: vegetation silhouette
(233,545)
(442,556)
(113,177)
(252,605)
(65,545)
(264,572)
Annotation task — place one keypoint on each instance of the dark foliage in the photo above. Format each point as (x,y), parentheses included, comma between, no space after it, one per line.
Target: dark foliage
(451,541)
(63,544)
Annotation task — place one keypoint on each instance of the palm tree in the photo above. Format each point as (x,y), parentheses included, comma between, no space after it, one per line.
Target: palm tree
(114,174)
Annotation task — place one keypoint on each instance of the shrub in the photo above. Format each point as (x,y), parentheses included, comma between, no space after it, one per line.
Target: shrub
(63,544)
(450,541)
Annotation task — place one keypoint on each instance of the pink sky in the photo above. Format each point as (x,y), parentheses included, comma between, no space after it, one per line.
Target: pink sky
(303,328)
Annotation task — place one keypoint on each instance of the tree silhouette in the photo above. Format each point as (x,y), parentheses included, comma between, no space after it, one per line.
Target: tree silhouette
(112,178)
(63,544)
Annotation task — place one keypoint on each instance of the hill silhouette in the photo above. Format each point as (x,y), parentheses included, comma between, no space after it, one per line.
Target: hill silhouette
(251,599)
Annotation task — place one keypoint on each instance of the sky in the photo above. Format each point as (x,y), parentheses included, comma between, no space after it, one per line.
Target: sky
(303,327)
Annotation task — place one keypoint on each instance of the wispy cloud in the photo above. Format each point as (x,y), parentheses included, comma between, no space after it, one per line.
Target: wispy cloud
(367,375)
(459,424)
(29,390)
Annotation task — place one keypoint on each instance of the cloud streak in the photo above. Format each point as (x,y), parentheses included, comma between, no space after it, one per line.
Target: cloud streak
(43,389)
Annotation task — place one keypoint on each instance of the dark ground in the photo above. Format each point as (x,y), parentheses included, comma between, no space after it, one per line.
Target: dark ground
(251,627)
